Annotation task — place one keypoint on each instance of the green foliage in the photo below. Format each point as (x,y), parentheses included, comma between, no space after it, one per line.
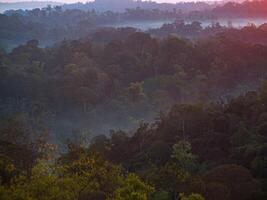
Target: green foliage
(133,189)
(161,195)
(87,177)
(135,92)
(88,169)
(91,175)
(191,197)
(122,82)
(43,184)
(182,154)
(7,170)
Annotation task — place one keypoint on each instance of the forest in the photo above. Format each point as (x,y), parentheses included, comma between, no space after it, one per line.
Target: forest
(233,9)
(52,24)
(201,146)
(177,112)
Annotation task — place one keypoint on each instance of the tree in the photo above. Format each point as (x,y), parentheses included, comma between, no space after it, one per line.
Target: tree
(43,184)
(7,170)
(229,182)
(161,195)
(133,189)
(18,145)
(135,92)
(90,176)
(170,177)
(182,154)
(192,196)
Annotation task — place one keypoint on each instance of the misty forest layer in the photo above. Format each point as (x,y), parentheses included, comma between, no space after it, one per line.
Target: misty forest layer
(89,111)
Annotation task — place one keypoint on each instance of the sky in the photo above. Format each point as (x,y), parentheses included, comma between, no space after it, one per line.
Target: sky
(71,1)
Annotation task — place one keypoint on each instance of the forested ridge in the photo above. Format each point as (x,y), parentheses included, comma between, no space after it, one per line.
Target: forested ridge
(102,113)
(53,24)
(233,9)
(206,151)
(211,148)
(126,73)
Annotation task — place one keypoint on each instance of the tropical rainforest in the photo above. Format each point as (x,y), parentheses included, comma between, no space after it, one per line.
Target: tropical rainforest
(177,112)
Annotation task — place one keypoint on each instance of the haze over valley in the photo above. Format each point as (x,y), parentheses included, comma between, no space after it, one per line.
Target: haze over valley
(133,100)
